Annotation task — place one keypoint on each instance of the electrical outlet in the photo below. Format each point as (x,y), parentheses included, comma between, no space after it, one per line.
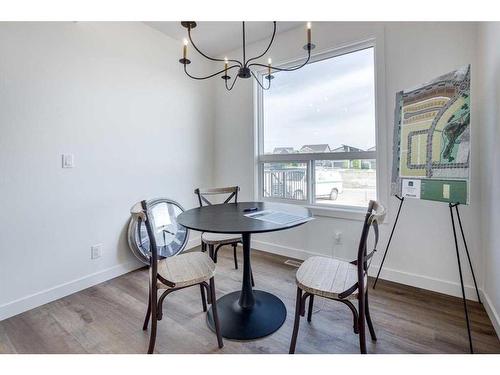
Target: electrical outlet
(95,251)
(68,161)
(338,238)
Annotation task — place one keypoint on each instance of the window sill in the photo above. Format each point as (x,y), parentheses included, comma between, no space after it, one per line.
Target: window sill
(339,213)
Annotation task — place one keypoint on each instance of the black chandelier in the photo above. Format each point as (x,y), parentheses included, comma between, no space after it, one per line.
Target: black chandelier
(243,68)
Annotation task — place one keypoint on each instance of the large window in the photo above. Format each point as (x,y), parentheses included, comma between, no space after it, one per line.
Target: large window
(317,132)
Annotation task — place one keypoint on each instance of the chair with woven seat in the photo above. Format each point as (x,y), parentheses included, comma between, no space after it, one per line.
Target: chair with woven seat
(215,241)
(173,273)
(340,281)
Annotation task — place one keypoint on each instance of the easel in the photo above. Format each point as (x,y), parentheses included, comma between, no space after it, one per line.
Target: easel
(451,206)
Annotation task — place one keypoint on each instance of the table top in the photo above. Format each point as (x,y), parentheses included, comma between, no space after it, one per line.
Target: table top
(229,217)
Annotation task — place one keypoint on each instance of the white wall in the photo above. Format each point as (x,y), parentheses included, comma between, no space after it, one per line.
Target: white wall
(422,252)
(489,66)
(115,96)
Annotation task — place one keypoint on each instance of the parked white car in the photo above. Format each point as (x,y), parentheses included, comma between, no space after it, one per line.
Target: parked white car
(292,184)
(328,184)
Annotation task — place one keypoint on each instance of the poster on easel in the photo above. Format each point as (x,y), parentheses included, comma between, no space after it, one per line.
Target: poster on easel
(431,149)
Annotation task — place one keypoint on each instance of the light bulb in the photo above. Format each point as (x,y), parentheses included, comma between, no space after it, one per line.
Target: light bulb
(309,36)
(185,41)
(225,60)
(269,61)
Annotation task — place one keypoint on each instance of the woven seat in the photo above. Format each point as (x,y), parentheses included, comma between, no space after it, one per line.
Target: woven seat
(220,238)
(186,269)
(327,277)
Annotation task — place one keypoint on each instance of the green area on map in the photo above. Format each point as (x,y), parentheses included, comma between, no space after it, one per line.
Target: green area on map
(444,191)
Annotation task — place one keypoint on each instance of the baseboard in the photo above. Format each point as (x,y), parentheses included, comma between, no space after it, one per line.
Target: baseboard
(59,291)
(48,295)
(40,298)
(193,242)
(402,277)
(490,310)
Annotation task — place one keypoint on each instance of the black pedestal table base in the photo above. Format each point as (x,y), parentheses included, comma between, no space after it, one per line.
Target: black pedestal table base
(265,317)
(248,314)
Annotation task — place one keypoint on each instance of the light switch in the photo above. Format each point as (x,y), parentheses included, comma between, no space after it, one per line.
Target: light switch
(68,161)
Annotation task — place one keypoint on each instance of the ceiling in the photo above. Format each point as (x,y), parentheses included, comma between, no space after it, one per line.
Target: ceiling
(215,38)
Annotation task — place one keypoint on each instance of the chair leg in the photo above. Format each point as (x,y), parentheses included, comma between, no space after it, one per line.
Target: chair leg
(148,313)
(154,321)
(203,299)
(369,319)
(216,252)
(310,310)
(355,316)
(209,295)
(298,308)
(235,257)
(211,251)
(203,247)
(215,315)
(251,277)
(361,323)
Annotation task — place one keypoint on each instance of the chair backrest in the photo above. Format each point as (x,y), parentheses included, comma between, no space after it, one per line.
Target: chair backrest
(203,194)
(374,215)
(144,214)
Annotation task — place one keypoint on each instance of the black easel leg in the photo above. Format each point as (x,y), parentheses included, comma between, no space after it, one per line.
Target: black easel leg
(467,252)
(461,280)
(390,238)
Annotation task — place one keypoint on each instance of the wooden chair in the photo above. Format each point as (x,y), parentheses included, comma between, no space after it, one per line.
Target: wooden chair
(340,281)
(174,273)
(215,241)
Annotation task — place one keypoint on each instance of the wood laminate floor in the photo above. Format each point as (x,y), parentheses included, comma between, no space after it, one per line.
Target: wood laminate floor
(107,318)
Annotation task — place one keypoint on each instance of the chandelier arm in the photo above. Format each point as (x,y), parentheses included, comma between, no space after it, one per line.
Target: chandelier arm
(211,75)
(205,55)
(267,49)
(260,84)
(229,88)
(284,69)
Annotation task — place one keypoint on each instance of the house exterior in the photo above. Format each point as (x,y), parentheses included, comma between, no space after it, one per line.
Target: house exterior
(283,150)
(347,148)
(355,164)
(308,149)
(346,163)
(324,147)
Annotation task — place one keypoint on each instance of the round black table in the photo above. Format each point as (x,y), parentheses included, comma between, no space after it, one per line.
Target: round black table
(247,314)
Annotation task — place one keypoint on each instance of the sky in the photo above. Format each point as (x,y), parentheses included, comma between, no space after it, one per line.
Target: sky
(330,101)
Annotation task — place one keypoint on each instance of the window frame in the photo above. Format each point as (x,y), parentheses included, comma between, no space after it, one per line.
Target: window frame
(326,209)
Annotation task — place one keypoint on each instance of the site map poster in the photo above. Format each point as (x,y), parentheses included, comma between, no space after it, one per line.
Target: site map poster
(431,151)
